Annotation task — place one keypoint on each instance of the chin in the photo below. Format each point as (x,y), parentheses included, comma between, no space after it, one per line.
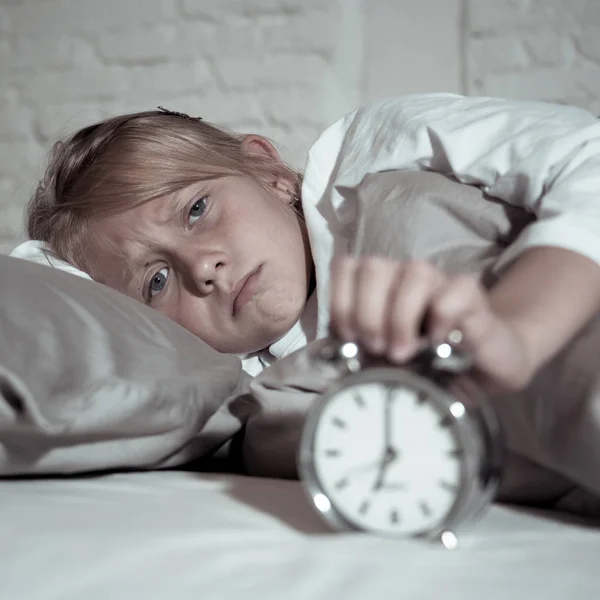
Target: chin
(273,329)
(280,309)
(269,317)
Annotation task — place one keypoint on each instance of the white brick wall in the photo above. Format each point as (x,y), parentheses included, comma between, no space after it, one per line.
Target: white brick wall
(283,68)
(534,50)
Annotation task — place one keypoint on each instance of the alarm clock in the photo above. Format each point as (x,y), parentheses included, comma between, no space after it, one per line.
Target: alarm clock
(409,451)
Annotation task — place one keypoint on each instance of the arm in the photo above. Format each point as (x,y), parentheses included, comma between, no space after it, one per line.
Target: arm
(542,157)
(547,296)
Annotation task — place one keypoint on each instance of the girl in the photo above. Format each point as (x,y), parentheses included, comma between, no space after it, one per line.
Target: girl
(213,230)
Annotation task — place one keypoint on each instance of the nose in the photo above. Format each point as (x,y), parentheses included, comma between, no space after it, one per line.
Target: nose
(206,270)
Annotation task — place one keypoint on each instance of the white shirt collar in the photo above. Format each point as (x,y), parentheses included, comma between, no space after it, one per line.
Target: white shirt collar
(303,331)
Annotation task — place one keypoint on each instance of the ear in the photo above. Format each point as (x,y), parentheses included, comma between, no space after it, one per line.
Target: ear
(255,144)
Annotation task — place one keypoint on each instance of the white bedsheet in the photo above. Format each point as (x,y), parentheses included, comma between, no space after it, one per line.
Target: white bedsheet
(180,535)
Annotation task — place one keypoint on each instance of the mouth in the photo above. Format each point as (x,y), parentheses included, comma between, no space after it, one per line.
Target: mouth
(244,290)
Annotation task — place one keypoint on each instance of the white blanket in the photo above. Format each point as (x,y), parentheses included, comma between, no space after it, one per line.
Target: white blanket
(186,536)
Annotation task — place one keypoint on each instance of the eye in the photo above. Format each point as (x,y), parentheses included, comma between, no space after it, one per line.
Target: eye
(158,282)
(197,210)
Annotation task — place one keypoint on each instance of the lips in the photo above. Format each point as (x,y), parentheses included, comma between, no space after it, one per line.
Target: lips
(244,290)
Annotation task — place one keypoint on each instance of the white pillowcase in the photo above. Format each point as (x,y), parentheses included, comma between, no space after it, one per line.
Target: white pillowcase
(37,252)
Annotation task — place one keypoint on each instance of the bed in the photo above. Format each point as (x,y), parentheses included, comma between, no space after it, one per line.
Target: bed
(183,534)
(137,462)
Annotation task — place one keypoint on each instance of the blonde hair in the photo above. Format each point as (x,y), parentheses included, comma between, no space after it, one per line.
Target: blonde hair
(122,162)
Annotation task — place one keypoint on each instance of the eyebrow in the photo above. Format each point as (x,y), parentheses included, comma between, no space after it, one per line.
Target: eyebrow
(129,271)
(171,208)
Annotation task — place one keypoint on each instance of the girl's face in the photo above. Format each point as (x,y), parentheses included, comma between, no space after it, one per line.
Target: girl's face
(224,258)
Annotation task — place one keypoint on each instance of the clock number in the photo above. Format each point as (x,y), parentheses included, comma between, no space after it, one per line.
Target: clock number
(394,516)
(455,453)
(339,422)
(341,484)
(446,421)
(445,485)
(360,401)
(425,508)
(364,507)
(332,453)
(421,397)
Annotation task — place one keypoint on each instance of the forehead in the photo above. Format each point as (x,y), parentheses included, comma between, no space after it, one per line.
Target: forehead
(121,241)
(135,224)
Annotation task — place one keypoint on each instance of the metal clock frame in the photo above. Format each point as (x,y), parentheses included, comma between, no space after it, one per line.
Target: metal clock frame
(476,431)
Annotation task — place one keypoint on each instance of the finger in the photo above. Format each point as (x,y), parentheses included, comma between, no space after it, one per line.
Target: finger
(498,355)
(374,280)
(457,305)
(411,298)
(342,296)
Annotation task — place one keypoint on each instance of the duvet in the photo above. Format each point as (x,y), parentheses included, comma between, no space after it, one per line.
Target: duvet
(551,430)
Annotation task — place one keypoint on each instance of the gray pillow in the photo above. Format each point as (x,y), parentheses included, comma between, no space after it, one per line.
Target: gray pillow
(92,380)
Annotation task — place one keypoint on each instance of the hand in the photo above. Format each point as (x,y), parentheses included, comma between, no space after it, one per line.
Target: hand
(382,304)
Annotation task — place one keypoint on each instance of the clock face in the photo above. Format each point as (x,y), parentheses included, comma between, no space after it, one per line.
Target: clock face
(387,458)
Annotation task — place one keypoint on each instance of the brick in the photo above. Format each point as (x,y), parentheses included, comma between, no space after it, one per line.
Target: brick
(5,52)
(53,122)
(14,195)
(217,40)
(553,11)
(271,72)
(92,84)
(41,53)
(549,49)
(588,81)
(12,217)
(594,107)
(147,45)
(216,9)
(492,15)
(22,160)
(7,244)
(57,17)
(8,187)
(589,11)
(307,31)
(16,122)
(312,108)
(295,145)
(5,21)
(497,54)
(489,16)
(545,84)
(229,109)
(290,106)
(155,82)
(589,43)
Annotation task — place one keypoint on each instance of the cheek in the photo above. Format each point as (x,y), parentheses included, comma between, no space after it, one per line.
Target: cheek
(287,243)
(191,314)
(206,323)
(281,304)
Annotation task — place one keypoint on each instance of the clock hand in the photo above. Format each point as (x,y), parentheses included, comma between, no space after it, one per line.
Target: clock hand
(389,452)
(362,468)
(387,420)
(380,477)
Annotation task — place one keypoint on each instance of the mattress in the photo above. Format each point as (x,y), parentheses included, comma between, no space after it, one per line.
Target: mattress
(179,535)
